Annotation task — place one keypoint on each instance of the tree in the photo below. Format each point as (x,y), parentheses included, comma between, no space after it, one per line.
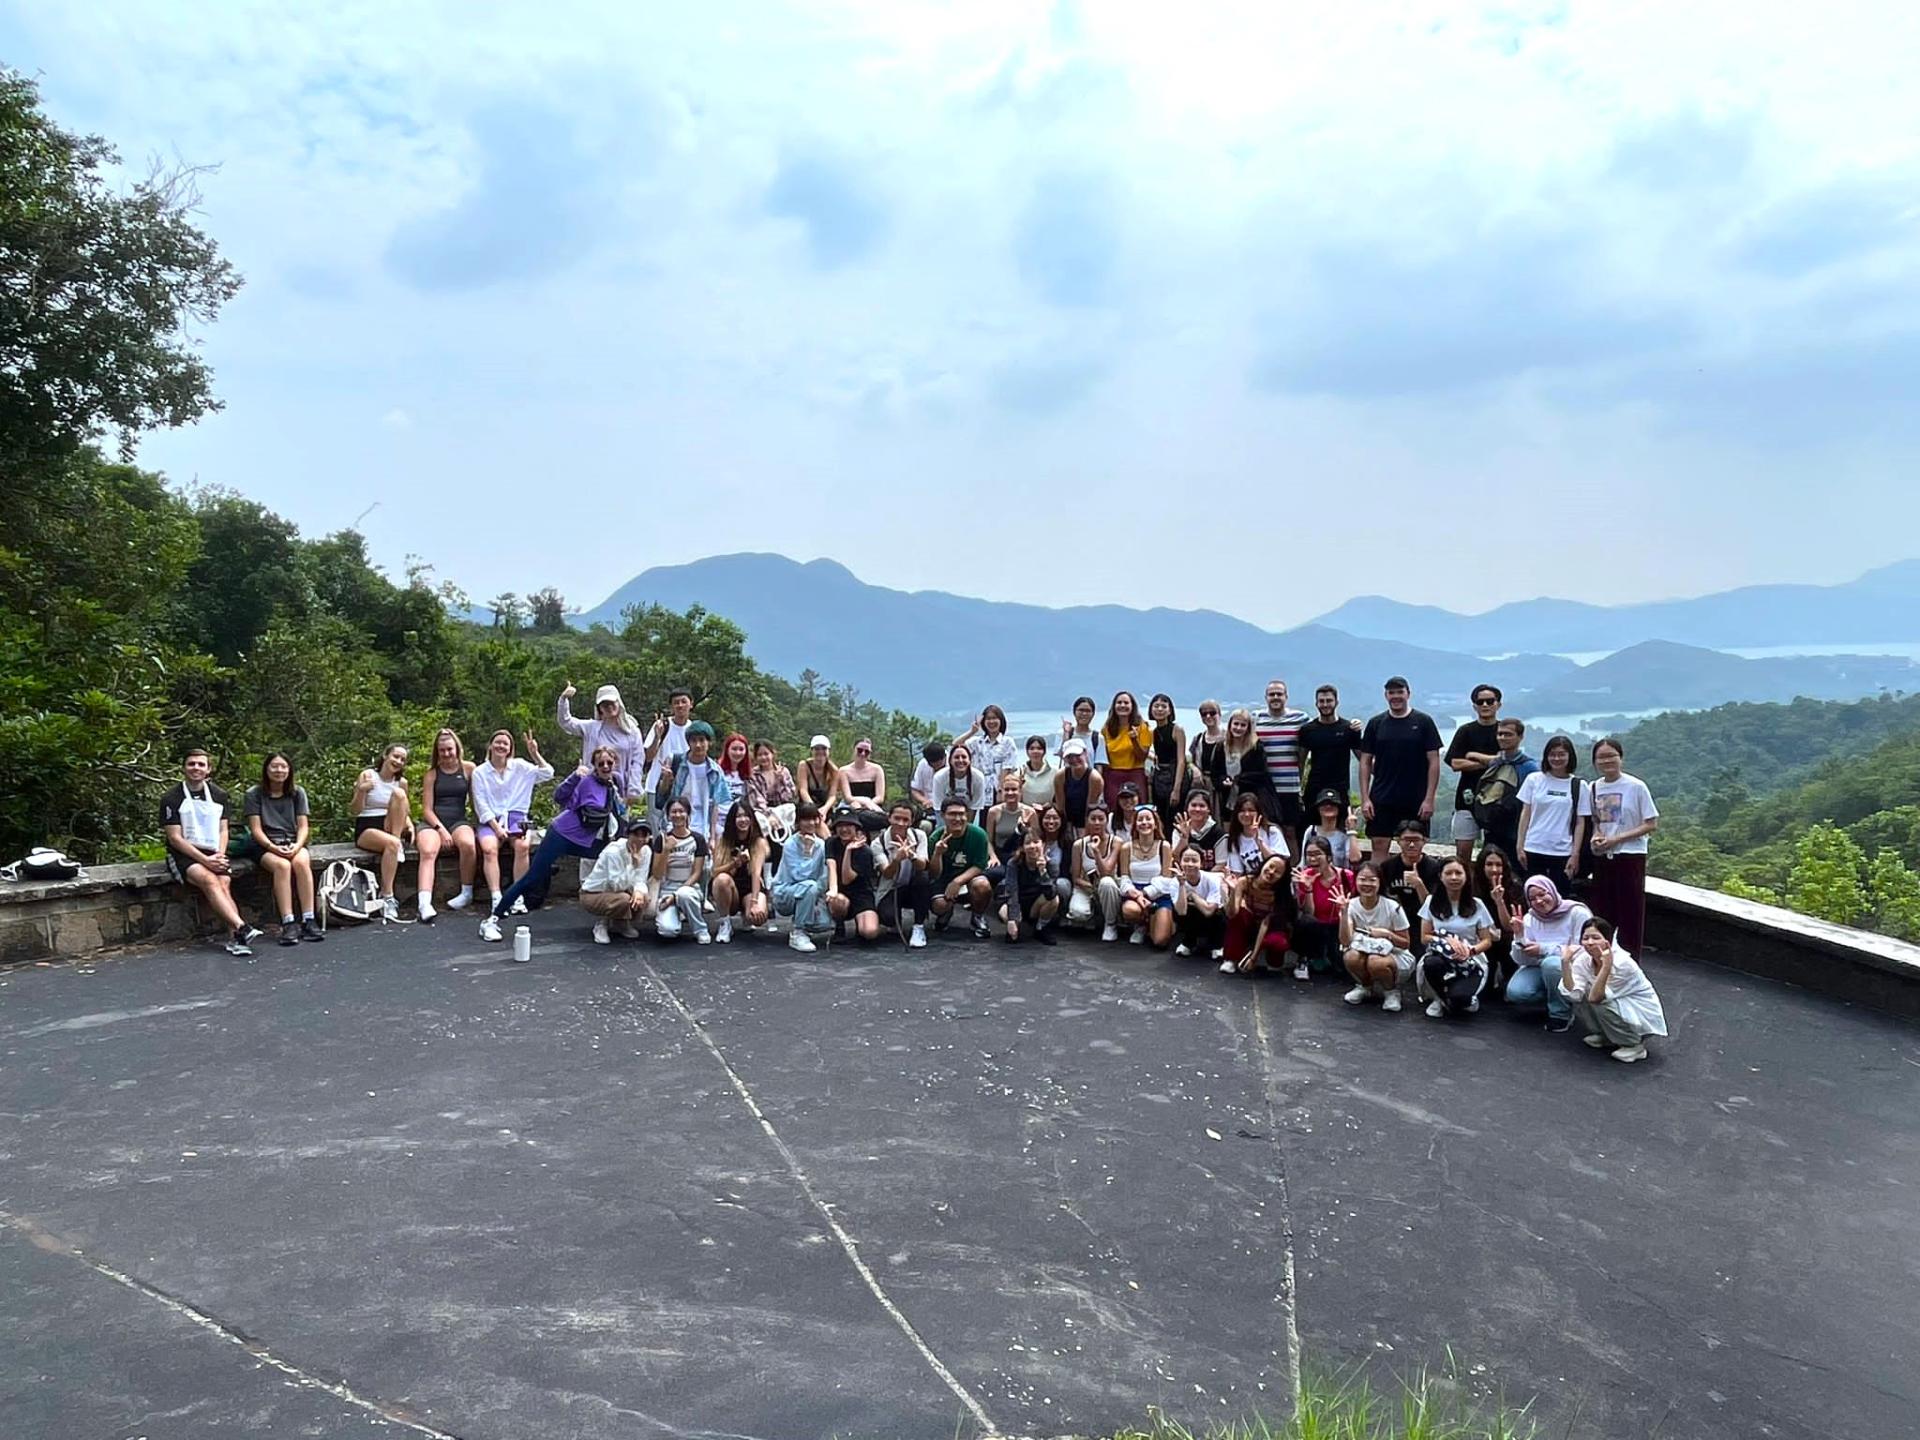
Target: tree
(1894,892)
(97,290)
(548,611)
(1826,877)
(507,612)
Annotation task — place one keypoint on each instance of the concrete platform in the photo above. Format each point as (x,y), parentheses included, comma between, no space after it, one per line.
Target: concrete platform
(395,1184)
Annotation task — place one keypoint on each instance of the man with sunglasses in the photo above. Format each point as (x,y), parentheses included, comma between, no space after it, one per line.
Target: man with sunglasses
(1475,749)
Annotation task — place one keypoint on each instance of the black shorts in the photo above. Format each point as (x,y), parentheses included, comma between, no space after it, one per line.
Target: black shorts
(364,823)
(178,865)
(1290,811)
(1387,820)
(859,899)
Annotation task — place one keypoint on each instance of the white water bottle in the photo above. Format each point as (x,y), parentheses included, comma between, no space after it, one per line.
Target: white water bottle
(522,944)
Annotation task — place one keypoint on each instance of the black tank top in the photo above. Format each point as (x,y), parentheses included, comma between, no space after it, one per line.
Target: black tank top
(1166,749)
(450,797)
(1075,790)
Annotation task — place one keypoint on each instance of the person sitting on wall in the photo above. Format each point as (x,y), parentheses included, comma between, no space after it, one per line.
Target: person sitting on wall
(195,819)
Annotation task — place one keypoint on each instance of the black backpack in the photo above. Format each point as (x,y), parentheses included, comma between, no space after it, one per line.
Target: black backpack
(1496,797)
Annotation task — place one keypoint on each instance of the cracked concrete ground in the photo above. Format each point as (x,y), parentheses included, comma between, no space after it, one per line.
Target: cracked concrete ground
(397,1185)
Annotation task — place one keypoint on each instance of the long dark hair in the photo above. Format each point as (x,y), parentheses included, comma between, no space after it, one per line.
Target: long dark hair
(731,839)
(1235,830)
(1512,890)
(1560,742)
(1440,902)
(1172,710)
(1112,727)
(266,785)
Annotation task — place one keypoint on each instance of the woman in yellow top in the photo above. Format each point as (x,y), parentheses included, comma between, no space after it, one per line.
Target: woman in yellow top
(1128,739)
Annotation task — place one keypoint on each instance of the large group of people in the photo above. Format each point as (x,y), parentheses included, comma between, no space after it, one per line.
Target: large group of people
(1246,844)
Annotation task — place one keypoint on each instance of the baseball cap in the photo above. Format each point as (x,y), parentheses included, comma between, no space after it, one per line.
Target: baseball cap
(820,740)
(1328,797)
(606,693)
(1074,747)
(639,823)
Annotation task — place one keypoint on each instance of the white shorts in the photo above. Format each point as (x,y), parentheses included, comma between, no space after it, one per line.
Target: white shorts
(1465,827)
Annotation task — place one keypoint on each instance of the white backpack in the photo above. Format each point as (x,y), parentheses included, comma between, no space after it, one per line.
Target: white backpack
(348,892)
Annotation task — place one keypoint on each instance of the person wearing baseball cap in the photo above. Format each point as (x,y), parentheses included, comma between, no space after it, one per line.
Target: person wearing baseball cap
(615,890)
(1328,806)
(611,727)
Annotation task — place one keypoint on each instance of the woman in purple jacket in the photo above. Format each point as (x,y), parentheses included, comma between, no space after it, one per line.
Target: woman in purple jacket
(585,799)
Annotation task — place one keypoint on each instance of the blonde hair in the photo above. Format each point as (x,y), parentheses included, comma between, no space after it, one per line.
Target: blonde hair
(459,750)
(1253,739)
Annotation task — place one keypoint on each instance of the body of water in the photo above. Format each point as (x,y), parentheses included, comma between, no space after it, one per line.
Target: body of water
(1906,649)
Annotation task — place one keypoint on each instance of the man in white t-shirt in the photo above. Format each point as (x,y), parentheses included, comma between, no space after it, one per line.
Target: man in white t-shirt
(668,737)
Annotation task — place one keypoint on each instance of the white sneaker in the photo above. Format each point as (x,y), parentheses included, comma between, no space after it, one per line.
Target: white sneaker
(1390,1002)
(1139,935)
(629,931)
(1301,971)
(519,906)
(703,936)
(389,907)
(1357,995)
(1227,967)
(462,900)
(1219,953)
(1436,1010)
(918,939)
(427,911)
(600,935)
(1596,1041)
(725,937)
(1627,1054)
(1183,950)
(667,923)
(490,929)
(1473,1006)
(494,904)
(1109,934)
(801,941)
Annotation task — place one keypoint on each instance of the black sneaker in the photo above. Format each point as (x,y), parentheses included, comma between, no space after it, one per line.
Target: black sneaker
(310,930)
(1045,935)
(940,922)
(237,946)
(289,935)
(246,935)
(1558,1024)
(979,927)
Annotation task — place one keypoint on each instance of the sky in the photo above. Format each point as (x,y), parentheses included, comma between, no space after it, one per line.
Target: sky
(1458,303)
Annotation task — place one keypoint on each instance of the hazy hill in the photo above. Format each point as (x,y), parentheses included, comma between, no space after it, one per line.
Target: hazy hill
(928,650)
(1686,677)
(1881,606)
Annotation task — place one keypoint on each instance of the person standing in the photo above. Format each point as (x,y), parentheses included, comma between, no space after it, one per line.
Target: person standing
(1555,809)
(1081,727)
(991,747)
(1278,727)
(194,820)
(1328,742)
(1496,797)
(611,728)
(1169,777)
(1474,750)
(667,737)
(1399,767)
(1207,754)
(1128,740)
(1624,815)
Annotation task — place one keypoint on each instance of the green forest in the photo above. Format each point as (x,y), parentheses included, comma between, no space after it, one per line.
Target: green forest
(137,619)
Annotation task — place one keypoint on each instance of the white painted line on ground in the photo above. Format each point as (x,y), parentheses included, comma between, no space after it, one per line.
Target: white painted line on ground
(1265,1042)
(44,1239)
(847,1242)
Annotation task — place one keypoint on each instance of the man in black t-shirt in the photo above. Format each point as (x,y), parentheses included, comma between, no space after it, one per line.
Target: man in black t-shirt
(1327,744)
(194,818)
(1399,766)
(1409,877)
(1475,747)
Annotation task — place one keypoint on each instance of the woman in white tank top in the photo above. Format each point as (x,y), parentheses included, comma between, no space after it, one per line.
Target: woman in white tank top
(380,816)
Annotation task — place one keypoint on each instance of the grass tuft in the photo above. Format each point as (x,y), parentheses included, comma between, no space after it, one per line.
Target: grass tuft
(1430,1406)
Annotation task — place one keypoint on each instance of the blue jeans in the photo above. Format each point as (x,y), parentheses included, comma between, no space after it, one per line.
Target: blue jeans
(540,868)
(1531,984)
(802,901)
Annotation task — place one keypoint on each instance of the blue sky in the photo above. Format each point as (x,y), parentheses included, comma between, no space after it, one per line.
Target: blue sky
(998,297)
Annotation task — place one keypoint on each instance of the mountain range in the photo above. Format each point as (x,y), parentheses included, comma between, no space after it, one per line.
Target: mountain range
(933,652)
(1881,606)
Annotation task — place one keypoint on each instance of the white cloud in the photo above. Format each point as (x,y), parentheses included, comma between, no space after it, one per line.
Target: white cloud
(833,273)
